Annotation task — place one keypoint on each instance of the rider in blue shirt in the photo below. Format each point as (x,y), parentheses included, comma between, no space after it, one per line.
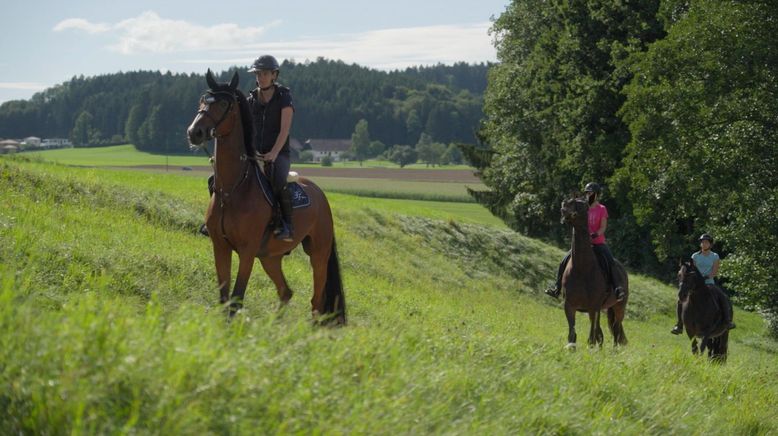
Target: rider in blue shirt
(707,262)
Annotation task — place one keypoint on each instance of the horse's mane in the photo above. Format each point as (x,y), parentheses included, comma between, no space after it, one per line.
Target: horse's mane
(245,117)
(245,121)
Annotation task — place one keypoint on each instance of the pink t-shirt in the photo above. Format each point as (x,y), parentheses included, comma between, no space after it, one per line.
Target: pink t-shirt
(596,215)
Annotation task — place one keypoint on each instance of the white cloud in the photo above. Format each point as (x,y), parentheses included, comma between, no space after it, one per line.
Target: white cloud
(27,86)
(383,49)
(150,33)
(81,24)
(231,44)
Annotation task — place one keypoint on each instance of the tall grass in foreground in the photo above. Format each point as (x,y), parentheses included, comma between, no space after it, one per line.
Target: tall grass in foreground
(108,325)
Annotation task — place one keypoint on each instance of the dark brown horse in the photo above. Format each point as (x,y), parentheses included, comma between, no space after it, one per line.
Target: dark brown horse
(585,286)
(706,313)
(238,215)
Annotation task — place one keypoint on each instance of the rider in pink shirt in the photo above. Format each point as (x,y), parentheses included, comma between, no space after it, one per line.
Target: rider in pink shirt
(598,222)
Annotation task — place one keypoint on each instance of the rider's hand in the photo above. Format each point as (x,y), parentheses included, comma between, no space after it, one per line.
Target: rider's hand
(269,156)
(594,235)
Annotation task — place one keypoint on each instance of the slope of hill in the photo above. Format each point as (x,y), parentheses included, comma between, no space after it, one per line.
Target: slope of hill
(108,323)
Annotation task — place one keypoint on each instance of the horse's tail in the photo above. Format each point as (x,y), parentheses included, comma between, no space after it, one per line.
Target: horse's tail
(334,300)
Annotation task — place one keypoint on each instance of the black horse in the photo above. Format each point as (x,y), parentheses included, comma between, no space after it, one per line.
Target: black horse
(706,313)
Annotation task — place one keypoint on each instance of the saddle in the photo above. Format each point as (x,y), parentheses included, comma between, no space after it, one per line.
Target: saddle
(300,198)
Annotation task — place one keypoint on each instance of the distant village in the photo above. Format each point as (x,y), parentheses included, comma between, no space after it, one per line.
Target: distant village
(8,146)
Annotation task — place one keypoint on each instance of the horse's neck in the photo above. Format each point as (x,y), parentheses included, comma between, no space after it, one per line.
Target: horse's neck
(701,291)
(230,162)
(583,254)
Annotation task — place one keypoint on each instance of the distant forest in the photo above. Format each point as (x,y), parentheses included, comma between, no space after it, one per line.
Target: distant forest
(153,109)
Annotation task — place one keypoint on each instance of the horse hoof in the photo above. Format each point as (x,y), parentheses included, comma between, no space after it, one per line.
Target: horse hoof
(570,346)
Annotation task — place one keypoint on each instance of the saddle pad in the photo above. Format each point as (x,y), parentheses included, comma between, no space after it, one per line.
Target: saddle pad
(300,198)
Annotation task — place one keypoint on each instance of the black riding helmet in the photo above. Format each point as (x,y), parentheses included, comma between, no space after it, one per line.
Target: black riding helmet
(706,237)
(264,62)
(593,187)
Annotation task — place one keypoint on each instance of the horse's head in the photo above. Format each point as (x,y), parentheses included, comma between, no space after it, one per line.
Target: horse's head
(575,211)
(217,111)
(689,277)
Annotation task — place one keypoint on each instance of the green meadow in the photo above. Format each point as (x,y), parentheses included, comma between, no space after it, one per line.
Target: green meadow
(109,323)
(128,155)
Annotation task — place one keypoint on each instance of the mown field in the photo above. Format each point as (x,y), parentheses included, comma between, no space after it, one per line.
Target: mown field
(127,155)
(109,324)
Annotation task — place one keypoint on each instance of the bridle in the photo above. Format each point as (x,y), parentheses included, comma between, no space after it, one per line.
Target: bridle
(213,133)
(205,104)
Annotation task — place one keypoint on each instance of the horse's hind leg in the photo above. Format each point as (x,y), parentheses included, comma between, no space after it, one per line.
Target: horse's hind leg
(615,323)
(272,266)
(595,332)
(695,350)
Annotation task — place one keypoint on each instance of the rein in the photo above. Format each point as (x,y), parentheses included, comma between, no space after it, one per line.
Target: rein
(224,196)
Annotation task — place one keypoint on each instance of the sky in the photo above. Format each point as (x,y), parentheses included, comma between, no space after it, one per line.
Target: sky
(49,42)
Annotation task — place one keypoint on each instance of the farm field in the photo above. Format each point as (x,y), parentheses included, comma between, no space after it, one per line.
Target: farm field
(109,324)
(374,179)
(128,155)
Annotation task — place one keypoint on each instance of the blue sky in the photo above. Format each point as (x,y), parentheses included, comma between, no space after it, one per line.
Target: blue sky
(49,42)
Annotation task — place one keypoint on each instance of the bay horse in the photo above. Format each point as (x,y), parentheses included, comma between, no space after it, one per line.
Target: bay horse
(238,217)
(706,313)
(585,286)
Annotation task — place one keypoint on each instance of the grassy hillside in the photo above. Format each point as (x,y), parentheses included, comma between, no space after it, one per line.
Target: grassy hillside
(108,323)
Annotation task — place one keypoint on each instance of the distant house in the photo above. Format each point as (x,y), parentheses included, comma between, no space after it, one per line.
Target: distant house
(55,143)
(8,146)
(333,148)
(32,141)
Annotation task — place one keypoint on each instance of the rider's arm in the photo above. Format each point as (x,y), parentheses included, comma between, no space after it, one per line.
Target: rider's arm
(714,271)
(286,125)
(603,226)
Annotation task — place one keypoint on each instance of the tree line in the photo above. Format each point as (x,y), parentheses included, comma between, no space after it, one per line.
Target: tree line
(153,109)
(671,104)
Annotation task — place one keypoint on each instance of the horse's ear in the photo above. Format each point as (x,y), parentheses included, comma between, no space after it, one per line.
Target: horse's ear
(210,80)
(234,81)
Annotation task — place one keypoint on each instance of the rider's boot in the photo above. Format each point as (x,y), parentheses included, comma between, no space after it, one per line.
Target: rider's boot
(678,328)
(554,290)
(286,231)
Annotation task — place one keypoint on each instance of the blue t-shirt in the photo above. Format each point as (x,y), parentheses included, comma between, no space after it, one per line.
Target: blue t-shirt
(705,264)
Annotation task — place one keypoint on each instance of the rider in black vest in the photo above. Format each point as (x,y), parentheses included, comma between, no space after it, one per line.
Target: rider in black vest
(272,111)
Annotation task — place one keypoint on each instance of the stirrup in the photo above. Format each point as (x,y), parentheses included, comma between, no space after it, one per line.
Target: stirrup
(677,330)
(284,233)
(552,292)
(619,294)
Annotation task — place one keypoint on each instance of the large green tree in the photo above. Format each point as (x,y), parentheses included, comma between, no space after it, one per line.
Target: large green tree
(703,112)
(360,141)
(551,103)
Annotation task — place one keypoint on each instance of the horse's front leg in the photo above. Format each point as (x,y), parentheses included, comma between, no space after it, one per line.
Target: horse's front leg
(222,256)
(570,315)
(695,350)
(704,343)
(245,265)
